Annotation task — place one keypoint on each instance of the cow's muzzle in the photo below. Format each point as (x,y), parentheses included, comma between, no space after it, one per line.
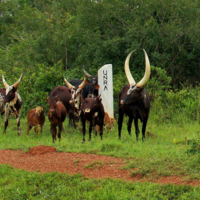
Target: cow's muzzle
(51,111)
(90,96)
(72,101)
(87,110)
(122,102)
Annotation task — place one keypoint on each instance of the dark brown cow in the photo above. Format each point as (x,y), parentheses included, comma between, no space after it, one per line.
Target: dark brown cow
(93,82)
(92,110)
(68,97)
(35,117)
(10,102)
(57,114)
(134,100)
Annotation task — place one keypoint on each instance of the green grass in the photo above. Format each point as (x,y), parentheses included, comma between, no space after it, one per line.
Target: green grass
(160,154)
(156,156)
(19,184)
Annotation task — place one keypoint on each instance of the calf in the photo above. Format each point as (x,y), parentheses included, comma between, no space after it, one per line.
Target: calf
(108,123)
(35,117)
(92,110)
(57,114)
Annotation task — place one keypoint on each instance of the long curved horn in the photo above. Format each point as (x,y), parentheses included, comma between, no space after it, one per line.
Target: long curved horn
(83,83)
(70,86)
(147,71)
(18,82)
(127,70)
(4,81)
(88,75)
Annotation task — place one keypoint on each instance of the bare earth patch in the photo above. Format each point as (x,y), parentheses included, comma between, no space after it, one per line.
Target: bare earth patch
(45,159)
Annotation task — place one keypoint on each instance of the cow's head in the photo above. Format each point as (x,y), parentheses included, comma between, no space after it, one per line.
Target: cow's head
(93,79)
(76,92)
(11,90)
(52,101)
(39,110)
(89,90)
(94,104)
(135,90)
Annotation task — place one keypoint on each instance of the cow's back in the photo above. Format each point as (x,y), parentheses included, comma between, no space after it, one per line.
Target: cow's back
(64,94)
(30,114)
(62,110)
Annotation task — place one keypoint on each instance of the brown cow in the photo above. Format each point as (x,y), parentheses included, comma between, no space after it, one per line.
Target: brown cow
(92,110)
(35,117)
(57,114)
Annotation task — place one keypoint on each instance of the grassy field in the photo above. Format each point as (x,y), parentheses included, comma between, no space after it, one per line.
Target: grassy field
(18,184)
(172,151)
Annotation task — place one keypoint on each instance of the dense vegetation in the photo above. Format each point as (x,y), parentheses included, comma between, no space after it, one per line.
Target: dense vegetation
(173,151)
(47,39)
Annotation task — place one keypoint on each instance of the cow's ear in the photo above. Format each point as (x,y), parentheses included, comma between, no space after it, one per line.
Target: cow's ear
(96,87)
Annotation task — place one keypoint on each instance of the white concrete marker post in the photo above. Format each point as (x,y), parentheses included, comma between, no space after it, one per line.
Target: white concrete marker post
(105,81)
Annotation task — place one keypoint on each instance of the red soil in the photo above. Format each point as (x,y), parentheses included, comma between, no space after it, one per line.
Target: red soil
(45,159)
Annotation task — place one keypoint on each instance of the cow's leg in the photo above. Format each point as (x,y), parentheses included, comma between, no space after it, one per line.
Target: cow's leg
(101,131)
(70,119)
(5,126)
(28,128)
(53,130)
(90,130)
(83,124)
(144,128)
(18,123)
(120,121)
(41,127)
(137,131)
(36,129)
(6,117)
(129,124)
(74,121)
(59,132)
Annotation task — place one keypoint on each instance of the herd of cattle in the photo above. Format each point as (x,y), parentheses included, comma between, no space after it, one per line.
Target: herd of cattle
(79,99)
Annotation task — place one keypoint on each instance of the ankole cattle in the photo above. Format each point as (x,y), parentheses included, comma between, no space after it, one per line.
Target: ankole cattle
(76,99)
(57,114)
(92,110)
(134,100)
(10,102)
(70,97)
(35,117)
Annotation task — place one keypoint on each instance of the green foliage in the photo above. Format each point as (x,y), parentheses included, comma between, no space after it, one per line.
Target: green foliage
(34,32)
(46,79)
(194,147)
(159,83)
